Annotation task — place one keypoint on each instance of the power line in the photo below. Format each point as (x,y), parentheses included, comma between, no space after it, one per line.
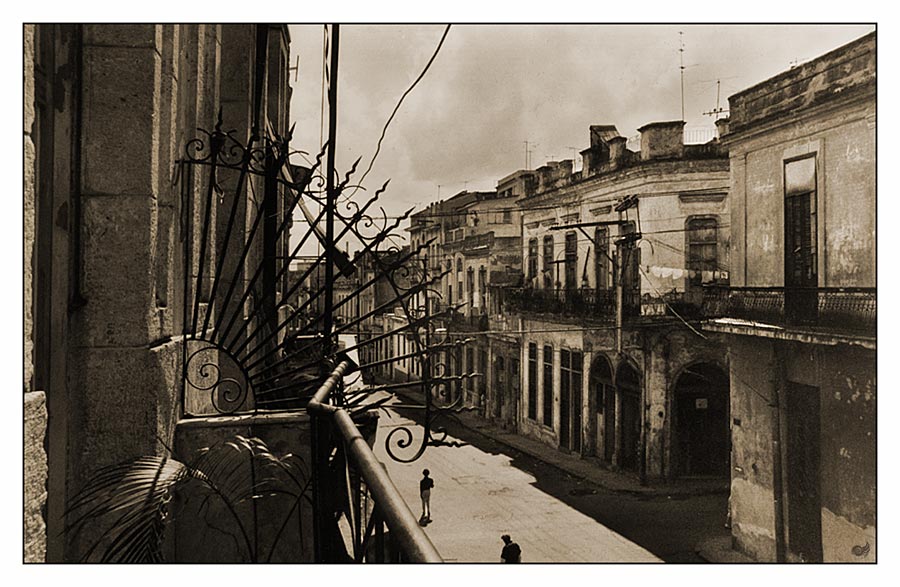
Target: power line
(397,107)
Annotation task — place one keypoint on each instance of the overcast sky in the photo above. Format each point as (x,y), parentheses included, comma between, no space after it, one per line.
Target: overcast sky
(492,87)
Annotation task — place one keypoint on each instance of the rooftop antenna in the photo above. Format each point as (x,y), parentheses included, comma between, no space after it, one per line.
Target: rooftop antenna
(574,156)
(681,67)
(717,110)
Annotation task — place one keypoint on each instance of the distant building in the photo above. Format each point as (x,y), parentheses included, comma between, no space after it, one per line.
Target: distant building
(616,258)
(800,316)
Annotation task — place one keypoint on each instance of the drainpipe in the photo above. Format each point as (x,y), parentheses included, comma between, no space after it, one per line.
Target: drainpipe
(777,481)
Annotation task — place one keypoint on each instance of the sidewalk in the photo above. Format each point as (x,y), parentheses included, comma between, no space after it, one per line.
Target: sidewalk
(714,550)
(588,468)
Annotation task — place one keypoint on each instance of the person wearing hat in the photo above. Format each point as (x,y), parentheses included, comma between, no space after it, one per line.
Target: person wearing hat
(511,552)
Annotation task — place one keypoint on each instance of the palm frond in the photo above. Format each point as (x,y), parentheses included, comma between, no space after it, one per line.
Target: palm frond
(136,494)
(130,500)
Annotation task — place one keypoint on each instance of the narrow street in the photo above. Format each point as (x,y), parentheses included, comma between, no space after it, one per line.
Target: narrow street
(485,489)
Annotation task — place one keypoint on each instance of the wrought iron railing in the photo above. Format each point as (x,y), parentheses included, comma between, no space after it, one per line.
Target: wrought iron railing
(598,304)
(460,322)
(851,310)
(381,525)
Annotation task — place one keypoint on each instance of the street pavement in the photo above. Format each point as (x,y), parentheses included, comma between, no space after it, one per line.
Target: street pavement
(481,494)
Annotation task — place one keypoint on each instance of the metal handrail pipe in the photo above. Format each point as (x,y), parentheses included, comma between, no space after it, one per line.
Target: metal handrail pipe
(404,527)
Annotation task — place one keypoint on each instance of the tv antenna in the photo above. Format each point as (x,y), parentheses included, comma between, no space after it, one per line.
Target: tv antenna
(528,153)
(717,110)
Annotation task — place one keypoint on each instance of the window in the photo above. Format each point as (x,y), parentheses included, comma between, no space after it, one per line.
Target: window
(532,260)
(570,382)
(631,277)
(532,381)
(800,223)
(548,386)
(571,260)
(601,258)
(801,273)
(507,217)
(702,257)
(548,262)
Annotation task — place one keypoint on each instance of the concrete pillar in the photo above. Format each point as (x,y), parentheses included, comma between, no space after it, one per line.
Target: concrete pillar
(617,450)
(587,420)
(121,380)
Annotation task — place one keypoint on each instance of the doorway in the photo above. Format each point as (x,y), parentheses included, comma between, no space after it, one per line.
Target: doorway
(628,385)
(604,396)
(802,450)
(703,440)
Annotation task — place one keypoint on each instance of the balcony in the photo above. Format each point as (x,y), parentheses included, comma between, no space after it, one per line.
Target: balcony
(596,304)
(460,322)
(850,311)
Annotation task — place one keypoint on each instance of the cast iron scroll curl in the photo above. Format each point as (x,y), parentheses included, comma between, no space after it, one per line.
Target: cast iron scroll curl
(222,389)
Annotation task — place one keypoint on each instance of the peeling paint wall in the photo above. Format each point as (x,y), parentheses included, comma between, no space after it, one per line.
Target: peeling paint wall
(844,376)
(829,113)
(752,389)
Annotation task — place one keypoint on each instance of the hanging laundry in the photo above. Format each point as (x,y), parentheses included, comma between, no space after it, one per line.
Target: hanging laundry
(677,273)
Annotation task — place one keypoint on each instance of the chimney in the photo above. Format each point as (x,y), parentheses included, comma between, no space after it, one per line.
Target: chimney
(722,127)
(617,151)
(563,169)
(662,140)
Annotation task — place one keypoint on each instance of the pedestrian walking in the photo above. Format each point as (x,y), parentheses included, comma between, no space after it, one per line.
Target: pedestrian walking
(425,486)
(511,552)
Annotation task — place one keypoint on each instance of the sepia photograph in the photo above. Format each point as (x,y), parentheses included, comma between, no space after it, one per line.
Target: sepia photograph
(478,292)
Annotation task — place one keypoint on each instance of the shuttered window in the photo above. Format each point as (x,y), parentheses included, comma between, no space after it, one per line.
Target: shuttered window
(548,262)
(532,381)
(548,386)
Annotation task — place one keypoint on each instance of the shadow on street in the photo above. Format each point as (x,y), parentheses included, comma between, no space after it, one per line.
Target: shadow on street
(670,527)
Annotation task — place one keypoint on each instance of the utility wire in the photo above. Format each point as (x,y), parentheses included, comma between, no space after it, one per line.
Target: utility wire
(397,107)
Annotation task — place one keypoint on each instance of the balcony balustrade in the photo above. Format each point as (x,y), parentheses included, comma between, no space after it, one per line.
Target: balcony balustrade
(840,310)
(579,303)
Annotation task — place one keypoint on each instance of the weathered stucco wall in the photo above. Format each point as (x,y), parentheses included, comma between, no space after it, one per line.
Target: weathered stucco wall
(752,512)
(847,451)
(845,377)
(828,108)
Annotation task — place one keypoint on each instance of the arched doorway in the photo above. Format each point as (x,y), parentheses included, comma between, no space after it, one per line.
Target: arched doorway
(628,384)
(604,402)
(702,437)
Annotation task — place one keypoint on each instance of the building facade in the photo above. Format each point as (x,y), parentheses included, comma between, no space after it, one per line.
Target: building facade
(799,320)
(615,261)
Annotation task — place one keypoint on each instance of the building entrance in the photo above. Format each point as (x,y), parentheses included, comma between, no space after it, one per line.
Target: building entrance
(703,440)
(629,390)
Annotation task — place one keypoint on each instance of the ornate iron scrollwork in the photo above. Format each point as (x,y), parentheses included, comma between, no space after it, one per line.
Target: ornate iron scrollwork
(254,327)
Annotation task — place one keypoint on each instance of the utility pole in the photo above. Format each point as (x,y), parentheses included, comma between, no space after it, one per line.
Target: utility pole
(623,253)
(681,68)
